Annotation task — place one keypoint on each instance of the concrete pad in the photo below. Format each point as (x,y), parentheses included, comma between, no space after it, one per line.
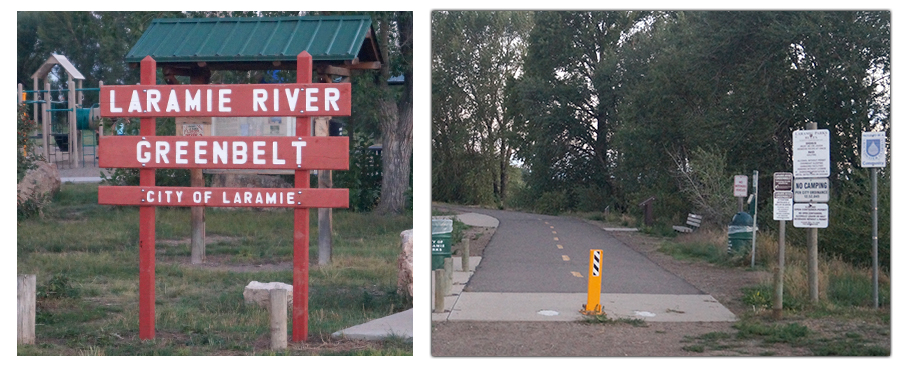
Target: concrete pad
(620,229)
(489,306)
(398,324)
(80,179)
(478,220)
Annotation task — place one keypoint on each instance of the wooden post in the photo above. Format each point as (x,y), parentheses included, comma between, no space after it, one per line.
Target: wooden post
(778,302)
(100,126)
(278,318)
(465,255)
(147,281)
(300,312)
(25,308)
(439,290)
(198,222)
(45,120)
(448,275)
(198,213)
(73,126)
(324,217)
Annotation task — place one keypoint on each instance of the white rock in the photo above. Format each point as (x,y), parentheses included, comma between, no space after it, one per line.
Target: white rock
(258,293)
(405,263)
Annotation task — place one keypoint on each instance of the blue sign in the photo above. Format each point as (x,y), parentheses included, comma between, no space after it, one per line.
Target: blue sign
(872,149)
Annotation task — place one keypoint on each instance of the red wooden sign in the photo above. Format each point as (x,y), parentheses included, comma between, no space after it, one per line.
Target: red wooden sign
(304,99)
(223,197)
(233,152)
(149,152)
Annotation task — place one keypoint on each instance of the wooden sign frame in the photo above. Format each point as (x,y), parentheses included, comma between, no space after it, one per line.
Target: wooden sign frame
(161,101)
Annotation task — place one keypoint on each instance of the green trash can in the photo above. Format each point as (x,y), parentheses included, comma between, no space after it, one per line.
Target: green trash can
(740,233)
(441,240)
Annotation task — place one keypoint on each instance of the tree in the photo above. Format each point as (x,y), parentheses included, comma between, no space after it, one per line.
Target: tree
(475,57)
(568,97)
(395,34)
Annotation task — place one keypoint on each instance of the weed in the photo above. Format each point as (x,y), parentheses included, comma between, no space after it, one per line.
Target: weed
(604,319)
(790,333)
(696,348)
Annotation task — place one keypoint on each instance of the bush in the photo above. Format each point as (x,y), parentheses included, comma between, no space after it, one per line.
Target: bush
(551,203)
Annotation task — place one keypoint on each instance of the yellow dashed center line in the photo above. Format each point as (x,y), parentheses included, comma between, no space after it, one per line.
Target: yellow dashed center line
(554,232)
(556,238)
(559,247)
(577,274)
(551,227)
(565,258)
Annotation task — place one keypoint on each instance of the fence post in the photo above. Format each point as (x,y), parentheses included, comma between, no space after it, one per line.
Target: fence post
(278,318)
(25,310)
(465,255)
(439,290)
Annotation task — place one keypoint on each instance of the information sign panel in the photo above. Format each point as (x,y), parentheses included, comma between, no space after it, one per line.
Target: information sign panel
(783,208)
(740,186)
(784,181)
(808,190)
(812,151)
(873,149)
(810,215)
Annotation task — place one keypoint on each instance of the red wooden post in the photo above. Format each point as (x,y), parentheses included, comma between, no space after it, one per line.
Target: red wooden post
(147,298)
(301,222)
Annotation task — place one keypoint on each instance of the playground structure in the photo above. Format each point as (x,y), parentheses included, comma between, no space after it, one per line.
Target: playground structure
(75,139)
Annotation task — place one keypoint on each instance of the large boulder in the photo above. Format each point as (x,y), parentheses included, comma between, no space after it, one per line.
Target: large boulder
(258,293)
(40,182)
(405,262)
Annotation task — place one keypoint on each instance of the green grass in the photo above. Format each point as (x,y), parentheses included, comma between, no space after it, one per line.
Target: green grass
(86,260)
(694,251)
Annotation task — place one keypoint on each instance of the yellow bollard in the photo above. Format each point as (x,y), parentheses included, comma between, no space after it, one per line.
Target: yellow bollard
(593,306)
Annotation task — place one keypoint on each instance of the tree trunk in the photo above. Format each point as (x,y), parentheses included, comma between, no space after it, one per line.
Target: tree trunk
(396,123)
(396,152)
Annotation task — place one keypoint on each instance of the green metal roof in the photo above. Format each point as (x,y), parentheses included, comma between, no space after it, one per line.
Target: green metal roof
(230,40)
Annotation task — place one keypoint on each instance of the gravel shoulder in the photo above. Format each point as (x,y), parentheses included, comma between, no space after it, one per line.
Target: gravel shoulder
(658,339)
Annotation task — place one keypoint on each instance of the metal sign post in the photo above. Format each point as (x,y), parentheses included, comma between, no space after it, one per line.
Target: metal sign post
(755,206)
(873,155)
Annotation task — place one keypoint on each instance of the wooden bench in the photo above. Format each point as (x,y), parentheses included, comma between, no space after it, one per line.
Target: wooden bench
(693,222)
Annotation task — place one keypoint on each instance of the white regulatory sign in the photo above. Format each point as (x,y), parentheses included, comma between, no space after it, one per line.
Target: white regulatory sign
(740,186)
(811,190)
(809,215)
(783,208)
(873,149)
(812,149)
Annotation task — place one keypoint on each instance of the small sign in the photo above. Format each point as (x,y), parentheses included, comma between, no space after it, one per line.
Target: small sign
(783,206)
(808,190)
(784,181)
(873,149)
(809,215)
(812,153)
(740,186)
